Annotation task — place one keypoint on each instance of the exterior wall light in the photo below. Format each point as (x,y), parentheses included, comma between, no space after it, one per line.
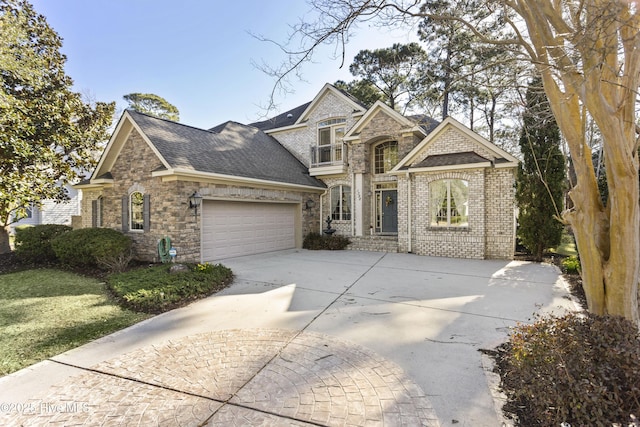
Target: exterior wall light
(195,200)
(310,204)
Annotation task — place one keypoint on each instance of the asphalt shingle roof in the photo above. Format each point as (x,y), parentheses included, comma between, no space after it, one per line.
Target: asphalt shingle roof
(453,159)
(233,149)
(281,120)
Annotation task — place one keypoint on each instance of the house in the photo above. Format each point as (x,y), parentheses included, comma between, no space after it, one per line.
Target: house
(409,182)
(53,212)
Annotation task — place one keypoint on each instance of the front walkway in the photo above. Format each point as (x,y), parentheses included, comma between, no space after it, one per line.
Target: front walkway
(302,338)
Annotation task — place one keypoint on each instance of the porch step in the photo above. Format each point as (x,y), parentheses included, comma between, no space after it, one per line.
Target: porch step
(373,243)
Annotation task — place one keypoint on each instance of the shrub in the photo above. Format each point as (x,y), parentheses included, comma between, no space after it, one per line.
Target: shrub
(580,370)
(571,265)
(98,247)
(315,241)
(33,243)
(154,289)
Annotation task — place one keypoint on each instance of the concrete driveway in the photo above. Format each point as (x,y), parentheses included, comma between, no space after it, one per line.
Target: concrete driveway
(415,324)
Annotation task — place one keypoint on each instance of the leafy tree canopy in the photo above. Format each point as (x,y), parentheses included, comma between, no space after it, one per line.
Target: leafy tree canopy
(154,105)
(48,135)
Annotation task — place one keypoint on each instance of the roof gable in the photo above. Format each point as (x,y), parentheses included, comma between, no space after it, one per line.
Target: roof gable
(381,107)
(329,88)
(120,135)
(234,151)
(456,157)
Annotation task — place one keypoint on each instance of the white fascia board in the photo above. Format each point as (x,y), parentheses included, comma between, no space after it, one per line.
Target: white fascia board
(285,128)
(177,174)
(482,165)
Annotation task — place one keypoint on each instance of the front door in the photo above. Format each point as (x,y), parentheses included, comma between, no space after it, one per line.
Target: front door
(389,210)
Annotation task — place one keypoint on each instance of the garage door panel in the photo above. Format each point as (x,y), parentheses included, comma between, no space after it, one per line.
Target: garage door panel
(243,228)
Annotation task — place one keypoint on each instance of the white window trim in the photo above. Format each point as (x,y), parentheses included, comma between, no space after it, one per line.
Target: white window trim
(131,223)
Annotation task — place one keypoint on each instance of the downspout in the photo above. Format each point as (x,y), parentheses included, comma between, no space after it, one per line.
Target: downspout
(353,204)
(409,214)
(321,199)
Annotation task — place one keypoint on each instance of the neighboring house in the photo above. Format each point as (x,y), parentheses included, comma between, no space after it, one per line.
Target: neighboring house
(409,182)
(52,212)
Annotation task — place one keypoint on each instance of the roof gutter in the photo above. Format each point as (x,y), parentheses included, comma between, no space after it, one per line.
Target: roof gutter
(181,174)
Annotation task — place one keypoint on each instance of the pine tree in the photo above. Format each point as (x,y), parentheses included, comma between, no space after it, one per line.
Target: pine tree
(541,175)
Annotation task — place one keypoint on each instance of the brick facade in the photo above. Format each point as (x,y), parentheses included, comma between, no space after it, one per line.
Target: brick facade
(491,201)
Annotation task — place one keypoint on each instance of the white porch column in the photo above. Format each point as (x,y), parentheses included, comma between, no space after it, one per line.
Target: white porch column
(358,196)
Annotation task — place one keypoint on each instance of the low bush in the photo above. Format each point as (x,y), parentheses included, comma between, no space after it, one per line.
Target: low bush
(155,289)
(33,243)
(571,265)
(576,369)
(99,247)
(315,241)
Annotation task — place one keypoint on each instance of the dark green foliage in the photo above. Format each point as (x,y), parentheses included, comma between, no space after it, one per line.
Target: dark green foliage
(48,135)
(581,369)
(154,105)
(541,176)
(315,241)
(390,74)
(363,90)
(154,289)
(89,246)
(571,265)
(33,244)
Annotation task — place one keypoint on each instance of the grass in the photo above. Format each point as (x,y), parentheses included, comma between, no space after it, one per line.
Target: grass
(567,245)
(45,312)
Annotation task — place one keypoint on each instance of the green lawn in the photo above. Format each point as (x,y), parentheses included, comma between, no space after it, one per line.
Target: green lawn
(567,245)
(46,312)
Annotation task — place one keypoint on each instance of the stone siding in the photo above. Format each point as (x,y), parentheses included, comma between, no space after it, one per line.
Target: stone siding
(169,212)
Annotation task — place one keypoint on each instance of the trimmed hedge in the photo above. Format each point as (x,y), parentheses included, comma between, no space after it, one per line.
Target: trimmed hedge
(33,243)
(315,241)
(156,289)
(583,370)
(91,246)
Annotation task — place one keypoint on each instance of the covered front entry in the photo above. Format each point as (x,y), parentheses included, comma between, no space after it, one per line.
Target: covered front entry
(232,229)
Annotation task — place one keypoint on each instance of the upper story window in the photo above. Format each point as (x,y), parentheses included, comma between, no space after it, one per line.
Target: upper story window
(341,202)
(136,211)
(331,131)
(385,157)
(449,203)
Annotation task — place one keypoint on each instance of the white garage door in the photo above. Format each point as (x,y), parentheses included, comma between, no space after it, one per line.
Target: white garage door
(243,228)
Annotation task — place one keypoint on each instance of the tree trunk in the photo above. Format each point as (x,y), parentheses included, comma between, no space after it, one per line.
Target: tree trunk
(5,247)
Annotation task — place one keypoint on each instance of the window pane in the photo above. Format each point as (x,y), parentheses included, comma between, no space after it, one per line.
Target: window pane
(449,203)
(324,136)
(438,203)
(136,203)
(385,157)
(346,202)
(335,203)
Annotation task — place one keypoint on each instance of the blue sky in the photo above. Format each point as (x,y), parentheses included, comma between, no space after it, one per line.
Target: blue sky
(196,54)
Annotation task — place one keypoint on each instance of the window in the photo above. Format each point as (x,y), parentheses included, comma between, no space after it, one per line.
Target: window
(449,203)
(136,211)
(385,157)
(330,134)
(341,202)
(97,212)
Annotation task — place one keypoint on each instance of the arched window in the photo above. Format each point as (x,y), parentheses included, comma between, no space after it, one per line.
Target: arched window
(136,211)
(341,202)
(449,203)
(385,157)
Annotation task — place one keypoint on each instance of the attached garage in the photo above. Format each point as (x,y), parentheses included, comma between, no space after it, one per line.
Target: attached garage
(232,229)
